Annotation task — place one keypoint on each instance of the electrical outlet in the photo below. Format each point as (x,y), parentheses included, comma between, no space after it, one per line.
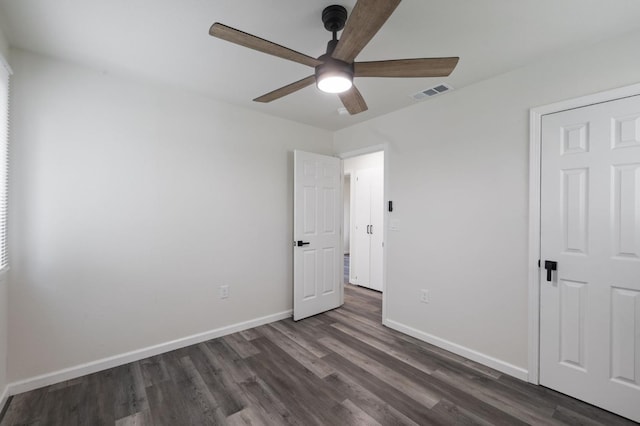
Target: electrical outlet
(424,296)
(224,291)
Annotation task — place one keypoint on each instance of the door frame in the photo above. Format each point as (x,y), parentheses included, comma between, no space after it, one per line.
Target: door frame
(535,163)
(369,150)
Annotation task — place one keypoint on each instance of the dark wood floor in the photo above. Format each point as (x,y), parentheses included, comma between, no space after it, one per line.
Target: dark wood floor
(338,368)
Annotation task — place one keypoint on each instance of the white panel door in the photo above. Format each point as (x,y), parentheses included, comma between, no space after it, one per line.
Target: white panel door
(590,226)
(317,224)
(376,230)
(360,253)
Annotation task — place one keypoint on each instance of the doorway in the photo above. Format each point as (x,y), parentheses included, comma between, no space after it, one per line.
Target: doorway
(364,220)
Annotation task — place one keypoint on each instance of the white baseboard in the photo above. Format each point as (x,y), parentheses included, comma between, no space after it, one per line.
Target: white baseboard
(3,397)
(125,358)
(489,361)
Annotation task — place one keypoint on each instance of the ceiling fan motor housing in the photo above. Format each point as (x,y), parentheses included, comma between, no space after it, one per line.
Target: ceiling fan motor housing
(332,65)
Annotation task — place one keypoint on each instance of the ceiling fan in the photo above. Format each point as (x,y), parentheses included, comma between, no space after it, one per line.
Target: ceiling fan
(335,70)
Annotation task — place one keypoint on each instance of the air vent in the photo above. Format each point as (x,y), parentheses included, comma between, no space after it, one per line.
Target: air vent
(432,91)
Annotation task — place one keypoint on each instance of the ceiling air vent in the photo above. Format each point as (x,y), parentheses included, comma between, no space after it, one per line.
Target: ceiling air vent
(432,91)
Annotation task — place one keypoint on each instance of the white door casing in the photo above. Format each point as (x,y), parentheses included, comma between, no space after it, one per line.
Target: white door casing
(317,220)
(590,225)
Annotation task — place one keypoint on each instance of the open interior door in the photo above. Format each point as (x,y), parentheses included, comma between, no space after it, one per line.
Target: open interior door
(317,226)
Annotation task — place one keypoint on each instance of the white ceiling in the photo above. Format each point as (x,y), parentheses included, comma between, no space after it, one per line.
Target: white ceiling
(167,41)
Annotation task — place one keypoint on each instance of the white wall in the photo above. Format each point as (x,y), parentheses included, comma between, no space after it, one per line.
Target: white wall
(458,176)
(4,304)
(4,44)
(375,160)
(130,205)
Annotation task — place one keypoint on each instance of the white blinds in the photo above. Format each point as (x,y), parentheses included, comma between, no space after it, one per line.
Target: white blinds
(5,72)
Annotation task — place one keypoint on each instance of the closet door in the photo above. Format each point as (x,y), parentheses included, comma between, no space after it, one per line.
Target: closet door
(360,252)
(590,248)
(376,234)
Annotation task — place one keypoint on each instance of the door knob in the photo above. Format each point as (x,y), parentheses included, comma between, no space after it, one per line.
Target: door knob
(550,266)
(303,243)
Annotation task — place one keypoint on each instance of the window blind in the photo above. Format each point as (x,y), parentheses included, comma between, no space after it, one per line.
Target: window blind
(5,72)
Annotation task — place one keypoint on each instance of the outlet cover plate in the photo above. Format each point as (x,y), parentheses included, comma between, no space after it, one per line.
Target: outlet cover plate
(224,291)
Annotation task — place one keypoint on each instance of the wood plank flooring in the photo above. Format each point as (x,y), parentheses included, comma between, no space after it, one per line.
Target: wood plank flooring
(339,368)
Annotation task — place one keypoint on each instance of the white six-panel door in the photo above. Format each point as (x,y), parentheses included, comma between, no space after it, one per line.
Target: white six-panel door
(590,226)
(317,225)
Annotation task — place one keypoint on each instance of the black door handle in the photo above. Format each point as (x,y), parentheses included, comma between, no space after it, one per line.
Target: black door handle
(550,266)
(303,243)
(368,228)
(371,229)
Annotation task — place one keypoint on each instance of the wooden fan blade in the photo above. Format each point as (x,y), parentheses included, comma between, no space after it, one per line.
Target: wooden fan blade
(287,90)
(353,101)
(366,19)
(261,45)
(425,67)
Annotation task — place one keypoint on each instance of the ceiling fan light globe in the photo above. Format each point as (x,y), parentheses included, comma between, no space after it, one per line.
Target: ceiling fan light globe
(334,76)
(336,83)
